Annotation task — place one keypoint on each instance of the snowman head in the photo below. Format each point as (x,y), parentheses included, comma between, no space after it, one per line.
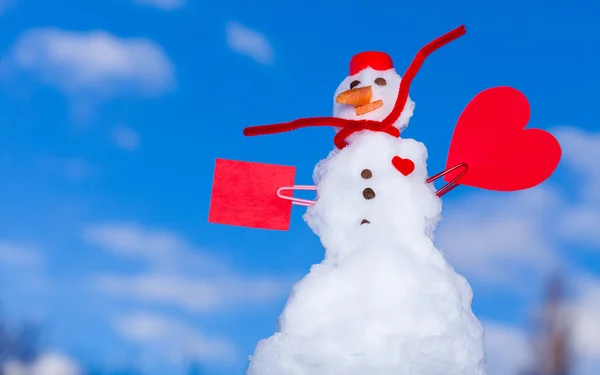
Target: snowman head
(371,90)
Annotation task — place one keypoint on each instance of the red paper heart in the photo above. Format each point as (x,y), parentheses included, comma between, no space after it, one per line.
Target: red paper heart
(404,166)
(490,137)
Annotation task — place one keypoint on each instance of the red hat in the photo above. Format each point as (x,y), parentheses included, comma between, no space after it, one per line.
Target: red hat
(375,60)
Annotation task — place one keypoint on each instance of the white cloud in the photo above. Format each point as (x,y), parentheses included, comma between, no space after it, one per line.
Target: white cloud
(167,5)
(47,364)
(78,169)
(126,138)
(177,274)
(173,339)
(13,254)
(581,152)
(587,319)
(95,63)
(580,225)
(24,265)
(248,42)
(500,239)
(73,168)
(162,249)
(507,349)
(194,293)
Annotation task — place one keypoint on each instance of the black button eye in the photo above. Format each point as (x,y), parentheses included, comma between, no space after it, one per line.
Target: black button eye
(354,84)
(380,81)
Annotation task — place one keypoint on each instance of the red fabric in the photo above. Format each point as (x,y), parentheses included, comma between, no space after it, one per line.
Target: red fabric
(245,194)
(375,60)
(348,127)
(490,137)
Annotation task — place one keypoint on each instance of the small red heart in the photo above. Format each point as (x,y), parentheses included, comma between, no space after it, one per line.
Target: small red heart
(490,137)
(404,166)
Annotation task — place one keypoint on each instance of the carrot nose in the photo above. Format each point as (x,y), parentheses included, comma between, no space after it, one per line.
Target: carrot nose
(356,97)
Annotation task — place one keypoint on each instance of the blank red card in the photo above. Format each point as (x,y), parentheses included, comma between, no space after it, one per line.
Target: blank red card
(245,194)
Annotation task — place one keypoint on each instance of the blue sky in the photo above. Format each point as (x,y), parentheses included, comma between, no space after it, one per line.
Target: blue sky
(113,112)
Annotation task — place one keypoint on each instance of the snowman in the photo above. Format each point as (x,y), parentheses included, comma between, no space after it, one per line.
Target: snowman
(384,301)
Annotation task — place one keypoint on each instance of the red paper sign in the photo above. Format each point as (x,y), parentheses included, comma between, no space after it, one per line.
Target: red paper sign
(490,137)
(245,194)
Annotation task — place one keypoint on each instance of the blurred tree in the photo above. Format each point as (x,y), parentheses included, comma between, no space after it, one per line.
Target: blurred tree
(551,333)
(21,344)
(18,343)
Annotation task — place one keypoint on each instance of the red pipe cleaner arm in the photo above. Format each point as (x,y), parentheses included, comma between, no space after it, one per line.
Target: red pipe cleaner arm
(413,69)
(302,123)
(348,127)
(409,75)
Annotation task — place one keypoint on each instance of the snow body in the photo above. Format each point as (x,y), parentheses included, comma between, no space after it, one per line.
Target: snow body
(384,301)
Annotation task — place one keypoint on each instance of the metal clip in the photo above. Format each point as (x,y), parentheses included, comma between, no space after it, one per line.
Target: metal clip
(445,189)
(452,184)
(297,201)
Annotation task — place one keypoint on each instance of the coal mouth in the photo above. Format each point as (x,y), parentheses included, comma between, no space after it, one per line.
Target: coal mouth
(365,221)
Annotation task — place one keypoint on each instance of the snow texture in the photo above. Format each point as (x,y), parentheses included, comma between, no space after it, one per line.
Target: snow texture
(384,301)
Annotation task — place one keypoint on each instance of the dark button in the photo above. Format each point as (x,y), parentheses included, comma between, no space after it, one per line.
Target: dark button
(368,193)
(366,174)
(365,221)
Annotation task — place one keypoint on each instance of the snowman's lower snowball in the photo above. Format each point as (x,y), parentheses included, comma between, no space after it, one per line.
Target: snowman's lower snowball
(384,301)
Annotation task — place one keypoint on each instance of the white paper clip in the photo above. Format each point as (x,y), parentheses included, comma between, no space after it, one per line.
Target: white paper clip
(297,201)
